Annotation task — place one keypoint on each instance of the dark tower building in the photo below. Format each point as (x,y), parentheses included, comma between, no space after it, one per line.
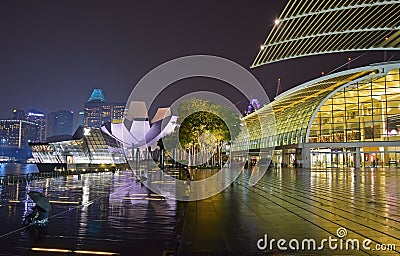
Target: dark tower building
(59,123)
(18,114)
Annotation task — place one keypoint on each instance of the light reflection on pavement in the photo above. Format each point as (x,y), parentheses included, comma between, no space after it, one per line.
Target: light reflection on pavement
(115,214)
(119,215)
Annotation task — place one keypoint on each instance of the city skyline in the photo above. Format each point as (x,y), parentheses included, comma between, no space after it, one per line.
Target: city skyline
(55,54)
(205,127)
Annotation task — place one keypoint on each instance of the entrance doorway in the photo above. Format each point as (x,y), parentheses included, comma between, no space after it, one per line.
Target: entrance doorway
(332,158)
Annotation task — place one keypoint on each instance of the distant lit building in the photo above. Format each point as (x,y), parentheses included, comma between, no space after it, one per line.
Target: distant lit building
(118,112)
(59,123)
(97,111)
(15,136)
(18,133)
(38,118)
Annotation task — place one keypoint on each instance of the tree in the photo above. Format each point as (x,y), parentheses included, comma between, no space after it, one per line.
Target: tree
(217,120)
(203,127)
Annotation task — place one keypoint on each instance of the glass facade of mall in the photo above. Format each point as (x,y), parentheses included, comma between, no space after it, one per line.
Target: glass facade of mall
(348,119)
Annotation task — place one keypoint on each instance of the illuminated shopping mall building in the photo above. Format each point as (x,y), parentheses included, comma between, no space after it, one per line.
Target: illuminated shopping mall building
(347,119)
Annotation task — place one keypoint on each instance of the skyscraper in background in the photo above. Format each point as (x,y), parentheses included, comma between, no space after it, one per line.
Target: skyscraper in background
(14,138)
(17,133)
(97,111)
(38,118)
(118,111)
(59,123)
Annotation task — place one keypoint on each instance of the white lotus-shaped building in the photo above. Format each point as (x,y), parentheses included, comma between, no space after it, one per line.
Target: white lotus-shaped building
(137,131)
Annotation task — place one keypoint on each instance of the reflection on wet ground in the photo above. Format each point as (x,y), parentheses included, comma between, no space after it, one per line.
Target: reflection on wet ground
(298,204)
(94,212)
(113,213)
(16,168)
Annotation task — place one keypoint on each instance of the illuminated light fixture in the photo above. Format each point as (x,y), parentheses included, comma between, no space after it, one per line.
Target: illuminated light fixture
(157,195)
(14,201)
(34,114)
(277,21)
(96,252)
(50,250)
(154,199)
(163,182)
(262,47)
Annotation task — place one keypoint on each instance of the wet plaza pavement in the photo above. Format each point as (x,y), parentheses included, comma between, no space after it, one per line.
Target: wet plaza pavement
(115,214)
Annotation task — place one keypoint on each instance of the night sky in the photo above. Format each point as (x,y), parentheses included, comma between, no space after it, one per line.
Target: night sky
(53,53)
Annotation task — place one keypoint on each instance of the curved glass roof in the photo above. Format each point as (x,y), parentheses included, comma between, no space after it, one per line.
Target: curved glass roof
(295,109)
(307,28)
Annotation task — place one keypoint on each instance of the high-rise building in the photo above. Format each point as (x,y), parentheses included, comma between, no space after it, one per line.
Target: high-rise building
(38,118)
(18,133)
(118,112)
(59,123)
(15,136)
(97,111)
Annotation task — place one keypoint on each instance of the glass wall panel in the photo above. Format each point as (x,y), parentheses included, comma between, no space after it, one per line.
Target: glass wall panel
(367,110)
(360,113)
